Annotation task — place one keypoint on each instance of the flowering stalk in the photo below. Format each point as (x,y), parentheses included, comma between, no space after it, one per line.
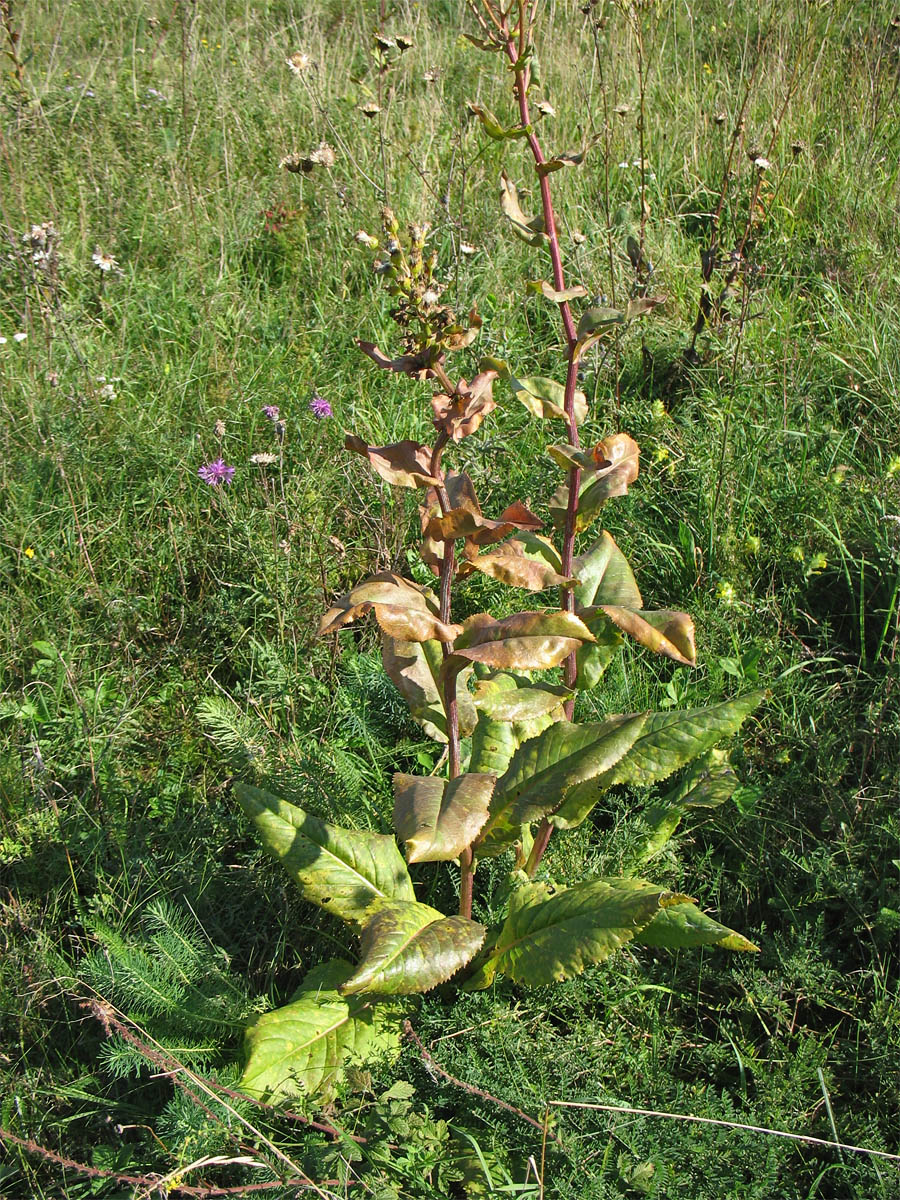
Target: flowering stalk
(516,46)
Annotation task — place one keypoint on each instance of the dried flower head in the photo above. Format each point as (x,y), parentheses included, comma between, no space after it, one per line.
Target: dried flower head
(578,237)
(467,249)
(299,62)
(545,108)
(216,472)
(104,262)
(264,460)
(366,239)
(323,155)
(369,110)
(219,428)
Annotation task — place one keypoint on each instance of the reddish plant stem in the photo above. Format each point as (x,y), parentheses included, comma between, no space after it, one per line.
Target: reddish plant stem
(448,570)
(567,598)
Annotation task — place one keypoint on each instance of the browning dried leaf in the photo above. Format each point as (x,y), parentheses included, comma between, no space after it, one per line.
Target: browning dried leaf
(407,464)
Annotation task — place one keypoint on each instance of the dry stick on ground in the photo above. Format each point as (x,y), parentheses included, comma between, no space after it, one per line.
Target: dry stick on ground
(431,1065)
(150,1183)
(111,1022)
(687,1117)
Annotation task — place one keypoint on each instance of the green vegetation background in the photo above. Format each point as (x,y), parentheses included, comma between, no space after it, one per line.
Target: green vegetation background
(136,599)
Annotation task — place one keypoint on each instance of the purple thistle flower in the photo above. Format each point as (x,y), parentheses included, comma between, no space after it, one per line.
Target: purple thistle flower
(319,407)
(216,472)
(271,411)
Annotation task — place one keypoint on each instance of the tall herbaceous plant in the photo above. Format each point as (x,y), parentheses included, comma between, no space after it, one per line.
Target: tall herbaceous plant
(518,768)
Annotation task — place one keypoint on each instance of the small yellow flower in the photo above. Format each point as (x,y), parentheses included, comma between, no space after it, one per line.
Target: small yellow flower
(893,467)
(28,551)
(726,593)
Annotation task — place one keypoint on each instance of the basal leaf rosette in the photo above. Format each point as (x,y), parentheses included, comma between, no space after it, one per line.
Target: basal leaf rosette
(341,870)
(302,1048)
(409,947)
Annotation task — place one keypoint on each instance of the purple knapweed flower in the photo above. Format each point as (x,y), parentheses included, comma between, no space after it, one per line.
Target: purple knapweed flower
(319,407)
(216,472)
(271,411)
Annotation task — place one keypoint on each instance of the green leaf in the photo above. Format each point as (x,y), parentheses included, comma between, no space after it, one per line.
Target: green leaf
(546,398)
(684,925)
(709,782)
(594,319)
(526,641)
(551,935)
(592,660)
(605,577)
(493,745)
(302,1048)
(492,126)
(341,870)
(614,467)
(410,947)
(667,741)
(439,818)
(414,669)
(513,564)
(706,784)
(546,767)
(523,701)
(529,229)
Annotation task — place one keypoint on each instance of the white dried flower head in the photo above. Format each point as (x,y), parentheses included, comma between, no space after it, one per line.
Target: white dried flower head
(393,246)
(2,340)
(365,239)
(107,392)
(369,110)
(219,428)
(430,76)
(104,262)
(264,460)
(323,155)
(761,164)
(430,297)
(299,62)
(578,238)
(292,162)
(545,108)
(467,249)
(19,337)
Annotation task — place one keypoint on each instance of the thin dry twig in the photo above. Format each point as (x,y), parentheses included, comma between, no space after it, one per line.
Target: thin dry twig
(430,1063)
(688,1117)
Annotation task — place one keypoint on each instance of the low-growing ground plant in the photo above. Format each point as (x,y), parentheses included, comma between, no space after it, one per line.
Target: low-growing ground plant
(517,765)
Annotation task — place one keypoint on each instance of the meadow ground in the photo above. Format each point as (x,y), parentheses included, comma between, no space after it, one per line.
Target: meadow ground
(157,634)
